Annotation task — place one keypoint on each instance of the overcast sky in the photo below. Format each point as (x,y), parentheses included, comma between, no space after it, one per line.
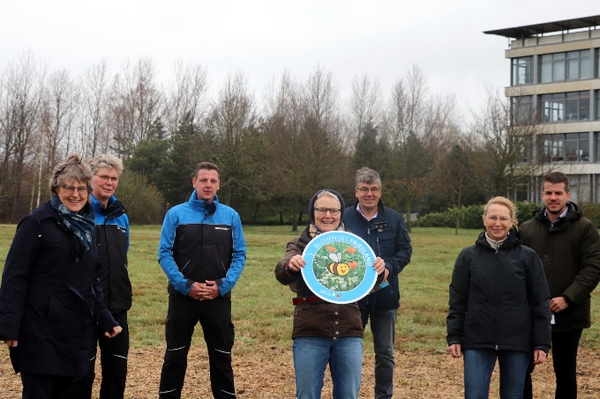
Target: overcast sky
(262,38)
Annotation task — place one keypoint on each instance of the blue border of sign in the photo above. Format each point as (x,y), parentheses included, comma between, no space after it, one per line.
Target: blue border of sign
(325,293)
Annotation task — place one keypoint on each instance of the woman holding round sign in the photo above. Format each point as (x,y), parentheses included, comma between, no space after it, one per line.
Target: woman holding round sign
(330,270)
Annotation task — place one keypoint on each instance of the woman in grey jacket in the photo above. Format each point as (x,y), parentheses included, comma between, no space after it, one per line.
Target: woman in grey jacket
(498,306)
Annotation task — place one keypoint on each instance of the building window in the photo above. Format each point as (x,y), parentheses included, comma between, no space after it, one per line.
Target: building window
(522,71)
(578,65)
(522,110)
(577,147)
(559,107)
(558,67)
(597,98)
(579,186)
(570,147)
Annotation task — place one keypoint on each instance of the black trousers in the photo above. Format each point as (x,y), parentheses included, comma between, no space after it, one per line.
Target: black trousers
(43,386)
(113,357)
(215,318)
(565,345)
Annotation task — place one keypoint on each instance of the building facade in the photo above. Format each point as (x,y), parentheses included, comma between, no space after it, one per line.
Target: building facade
(555,81)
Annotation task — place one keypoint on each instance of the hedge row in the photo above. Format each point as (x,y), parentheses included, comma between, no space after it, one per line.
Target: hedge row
(470,216)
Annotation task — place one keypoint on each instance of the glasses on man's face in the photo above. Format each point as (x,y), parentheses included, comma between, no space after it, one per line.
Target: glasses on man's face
(332,211)
(365,190)
(82,190)
(105,179)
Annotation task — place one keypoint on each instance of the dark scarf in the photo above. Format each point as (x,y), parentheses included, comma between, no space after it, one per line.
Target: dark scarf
(80,224)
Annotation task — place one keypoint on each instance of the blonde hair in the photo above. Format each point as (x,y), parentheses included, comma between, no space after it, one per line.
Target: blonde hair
(499,200)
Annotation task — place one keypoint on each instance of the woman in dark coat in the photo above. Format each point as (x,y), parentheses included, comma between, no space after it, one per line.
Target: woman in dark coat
(50,302)
(498,306)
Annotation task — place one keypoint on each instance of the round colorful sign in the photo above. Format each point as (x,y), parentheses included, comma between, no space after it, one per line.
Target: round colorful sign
(339,267)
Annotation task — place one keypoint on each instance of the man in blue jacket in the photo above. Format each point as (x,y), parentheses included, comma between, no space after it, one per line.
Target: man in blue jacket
(385,231)
(202,251)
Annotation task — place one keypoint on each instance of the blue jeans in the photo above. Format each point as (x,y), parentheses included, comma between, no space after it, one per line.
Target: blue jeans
(383,327)
(311,355)
(478,367)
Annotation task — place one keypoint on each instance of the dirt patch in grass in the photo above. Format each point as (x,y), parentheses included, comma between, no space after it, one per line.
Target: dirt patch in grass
(268,373)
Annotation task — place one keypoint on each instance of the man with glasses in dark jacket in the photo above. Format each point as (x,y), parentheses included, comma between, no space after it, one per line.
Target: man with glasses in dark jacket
(385,231)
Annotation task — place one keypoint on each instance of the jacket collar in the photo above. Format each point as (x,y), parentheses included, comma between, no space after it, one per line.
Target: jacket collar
(202,206)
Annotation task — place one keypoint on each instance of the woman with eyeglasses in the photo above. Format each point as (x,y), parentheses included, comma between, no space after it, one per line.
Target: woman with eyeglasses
(323,332)
(50,300)
(498,306)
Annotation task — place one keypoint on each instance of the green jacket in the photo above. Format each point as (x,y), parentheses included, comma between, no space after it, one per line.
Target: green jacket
(570,253)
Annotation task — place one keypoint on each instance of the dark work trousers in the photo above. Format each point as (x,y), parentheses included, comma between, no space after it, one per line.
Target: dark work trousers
(215,318)
(43,386)
(565,345)
(113,358)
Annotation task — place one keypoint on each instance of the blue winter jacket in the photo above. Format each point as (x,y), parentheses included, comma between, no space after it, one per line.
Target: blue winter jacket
(200,242)
(112,230)
(388,237)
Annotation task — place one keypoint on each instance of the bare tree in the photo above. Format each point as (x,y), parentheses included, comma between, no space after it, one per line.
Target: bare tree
(18,123)
(57,113)
(233,119)
(134,106)
(505,141)
(94,137)
(185,95)
(365,103)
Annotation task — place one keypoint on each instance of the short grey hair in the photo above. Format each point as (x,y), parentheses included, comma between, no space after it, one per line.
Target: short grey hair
(367,176)
(105,161)
(73,169)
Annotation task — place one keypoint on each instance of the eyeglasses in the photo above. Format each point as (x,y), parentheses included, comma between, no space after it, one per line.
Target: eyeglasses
(502,219)
(332,211)
(82,190)
(106,178)
(365,190)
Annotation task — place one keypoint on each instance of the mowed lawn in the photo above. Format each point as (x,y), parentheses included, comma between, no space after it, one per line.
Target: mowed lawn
(262,307)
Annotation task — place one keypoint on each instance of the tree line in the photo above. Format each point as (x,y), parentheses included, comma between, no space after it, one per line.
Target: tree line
(273,154)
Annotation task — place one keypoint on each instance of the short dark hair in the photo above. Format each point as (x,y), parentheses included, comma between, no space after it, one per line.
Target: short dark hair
(206,165)
(557,177)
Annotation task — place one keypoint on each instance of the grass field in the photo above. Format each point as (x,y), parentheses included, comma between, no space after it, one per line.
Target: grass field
(262,312)
(262,308)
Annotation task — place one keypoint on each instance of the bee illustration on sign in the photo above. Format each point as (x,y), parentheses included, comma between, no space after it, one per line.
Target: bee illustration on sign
(340,267)
(337,267)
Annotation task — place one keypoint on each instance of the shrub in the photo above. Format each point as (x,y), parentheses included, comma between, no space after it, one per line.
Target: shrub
(525,211)
(436,219)
(592,212)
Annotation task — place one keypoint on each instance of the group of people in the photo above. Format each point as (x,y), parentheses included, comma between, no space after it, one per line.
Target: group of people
(518,292)
(514,295)
(65,286)
(331,333)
